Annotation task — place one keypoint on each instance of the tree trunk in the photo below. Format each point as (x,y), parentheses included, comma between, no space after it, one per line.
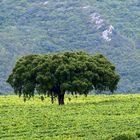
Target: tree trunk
(61,99)
(52,99)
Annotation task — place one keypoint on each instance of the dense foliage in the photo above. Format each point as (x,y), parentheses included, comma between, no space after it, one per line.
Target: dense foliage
(40,26)
(93,117)
(56,74)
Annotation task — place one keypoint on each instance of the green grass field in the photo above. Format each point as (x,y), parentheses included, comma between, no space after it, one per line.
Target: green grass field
(82,118)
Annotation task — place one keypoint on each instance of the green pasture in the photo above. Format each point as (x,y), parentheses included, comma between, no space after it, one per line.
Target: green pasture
(81,118)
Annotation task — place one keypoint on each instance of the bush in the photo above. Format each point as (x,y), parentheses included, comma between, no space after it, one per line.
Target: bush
(138,134)
(125,137)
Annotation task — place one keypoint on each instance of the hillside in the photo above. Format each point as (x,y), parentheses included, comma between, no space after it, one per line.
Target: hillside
(95,26)
(94,117)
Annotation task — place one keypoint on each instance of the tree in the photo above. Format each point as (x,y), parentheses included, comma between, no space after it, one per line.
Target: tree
(60,73)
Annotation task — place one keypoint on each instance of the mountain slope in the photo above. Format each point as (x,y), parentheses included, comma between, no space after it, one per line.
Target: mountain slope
(95,26)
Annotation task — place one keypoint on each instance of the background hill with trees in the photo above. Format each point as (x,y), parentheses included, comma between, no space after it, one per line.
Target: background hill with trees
(95,26)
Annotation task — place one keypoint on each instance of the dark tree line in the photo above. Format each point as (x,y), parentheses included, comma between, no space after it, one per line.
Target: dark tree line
(60,73)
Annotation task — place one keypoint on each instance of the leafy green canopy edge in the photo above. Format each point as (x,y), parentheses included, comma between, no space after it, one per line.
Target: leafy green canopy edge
(59,73)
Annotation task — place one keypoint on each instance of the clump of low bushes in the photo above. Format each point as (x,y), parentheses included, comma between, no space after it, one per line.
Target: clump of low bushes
(126,136)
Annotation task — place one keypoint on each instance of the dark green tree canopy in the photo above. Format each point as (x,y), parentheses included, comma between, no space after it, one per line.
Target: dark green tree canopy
(60,73)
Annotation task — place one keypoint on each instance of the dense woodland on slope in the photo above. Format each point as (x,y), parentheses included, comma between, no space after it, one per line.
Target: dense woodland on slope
(96,26)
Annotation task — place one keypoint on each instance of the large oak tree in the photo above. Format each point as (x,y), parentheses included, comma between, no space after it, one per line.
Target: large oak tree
(60,73)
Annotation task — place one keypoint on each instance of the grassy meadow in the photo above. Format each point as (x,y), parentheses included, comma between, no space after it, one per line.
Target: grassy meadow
(82,118)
